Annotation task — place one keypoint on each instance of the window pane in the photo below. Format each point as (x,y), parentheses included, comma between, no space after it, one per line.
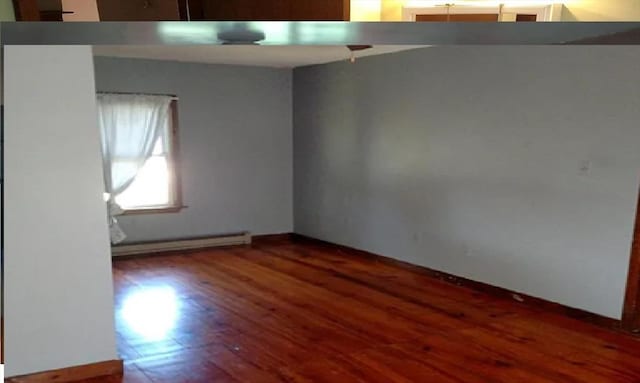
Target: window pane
(150,188)
(158,148)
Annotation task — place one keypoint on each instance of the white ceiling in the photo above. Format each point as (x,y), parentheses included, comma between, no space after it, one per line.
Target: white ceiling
(284,56)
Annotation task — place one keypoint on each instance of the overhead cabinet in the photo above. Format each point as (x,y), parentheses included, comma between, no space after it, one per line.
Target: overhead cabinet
(224,10)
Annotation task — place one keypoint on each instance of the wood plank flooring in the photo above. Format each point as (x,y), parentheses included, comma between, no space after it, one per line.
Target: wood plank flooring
(284,311)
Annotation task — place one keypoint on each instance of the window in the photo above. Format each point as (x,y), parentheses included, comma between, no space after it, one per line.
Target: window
(156,186)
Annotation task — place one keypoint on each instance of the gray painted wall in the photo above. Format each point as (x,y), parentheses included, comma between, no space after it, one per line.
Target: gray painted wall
(516,166)
(235,137)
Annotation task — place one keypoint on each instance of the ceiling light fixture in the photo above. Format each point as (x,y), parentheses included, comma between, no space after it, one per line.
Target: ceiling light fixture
(355,48)
(241,37)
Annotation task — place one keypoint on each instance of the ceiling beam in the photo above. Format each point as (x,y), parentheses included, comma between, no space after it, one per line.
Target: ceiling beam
(321,33)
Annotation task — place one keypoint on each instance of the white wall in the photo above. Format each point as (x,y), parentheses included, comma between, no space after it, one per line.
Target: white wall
(1,170)
(235,133)
(83,10)
(365,10)
(515,165)
(599,10)
(58,284)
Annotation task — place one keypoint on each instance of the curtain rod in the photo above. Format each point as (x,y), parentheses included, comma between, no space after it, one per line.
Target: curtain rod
(173,96)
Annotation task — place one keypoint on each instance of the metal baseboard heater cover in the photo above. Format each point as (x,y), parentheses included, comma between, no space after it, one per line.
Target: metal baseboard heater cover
(181,244)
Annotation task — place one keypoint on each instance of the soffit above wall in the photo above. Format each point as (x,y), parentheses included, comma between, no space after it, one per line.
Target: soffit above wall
(253,55)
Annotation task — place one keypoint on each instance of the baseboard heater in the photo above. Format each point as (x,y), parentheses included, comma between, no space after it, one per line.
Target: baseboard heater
(181,244)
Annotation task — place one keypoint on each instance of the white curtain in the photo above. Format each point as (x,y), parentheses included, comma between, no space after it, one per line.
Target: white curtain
(130,125)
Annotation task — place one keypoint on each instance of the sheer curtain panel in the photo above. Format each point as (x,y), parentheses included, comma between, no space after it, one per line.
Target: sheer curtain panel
(130,125)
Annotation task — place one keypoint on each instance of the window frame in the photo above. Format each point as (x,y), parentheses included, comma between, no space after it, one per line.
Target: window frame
(173,160)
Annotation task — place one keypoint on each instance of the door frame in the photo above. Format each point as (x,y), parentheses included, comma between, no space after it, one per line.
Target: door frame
(631,309)
(26,10)
(548,12)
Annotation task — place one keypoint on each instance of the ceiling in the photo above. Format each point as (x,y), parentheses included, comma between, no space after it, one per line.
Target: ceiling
(285,56)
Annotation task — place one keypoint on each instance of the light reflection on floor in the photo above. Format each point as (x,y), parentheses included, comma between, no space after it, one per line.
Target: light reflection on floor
(152,312)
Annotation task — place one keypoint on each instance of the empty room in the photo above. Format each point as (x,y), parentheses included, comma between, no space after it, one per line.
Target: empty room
(362,213)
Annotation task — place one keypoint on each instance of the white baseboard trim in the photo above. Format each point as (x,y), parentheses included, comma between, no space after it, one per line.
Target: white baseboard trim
(181,244)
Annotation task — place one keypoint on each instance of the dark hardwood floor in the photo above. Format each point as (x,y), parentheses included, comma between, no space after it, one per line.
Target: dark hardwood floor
(285,311)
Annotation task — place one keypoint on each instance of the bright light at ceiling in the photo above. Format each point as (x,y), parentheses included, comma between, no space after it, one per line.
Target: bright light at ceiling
(174,32)
(333,31)
(274,32)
